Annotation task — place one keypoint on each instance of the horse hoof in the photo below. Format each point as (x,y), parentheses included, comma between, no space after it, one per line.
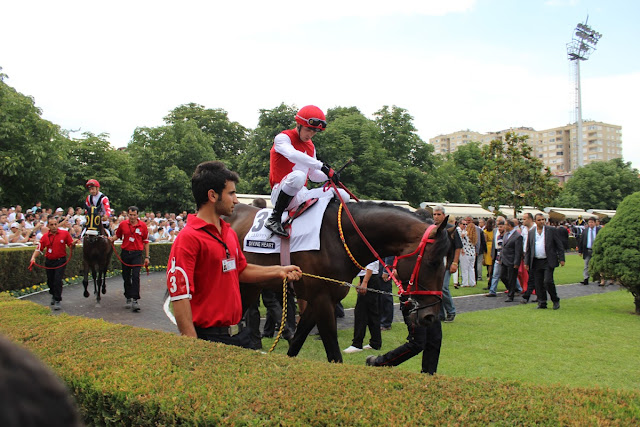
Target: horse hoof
(104,291)
(86,294)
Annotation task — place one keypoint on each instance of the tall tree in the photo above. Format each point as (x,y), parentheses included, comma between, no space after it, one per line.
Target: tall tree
(600,185)
(33,151)
(228,138)
(92,156)
(460,172)
(166,157)
(513,176)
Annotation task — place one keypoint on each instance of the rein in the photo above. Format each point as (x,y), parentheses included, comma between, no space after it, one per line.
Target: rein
(124,263)
(52,268)
(419,250)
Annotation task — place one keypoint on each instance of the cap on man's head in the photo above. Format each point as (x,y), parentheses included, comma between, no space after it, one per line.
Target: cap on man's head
(15,224)
(59,210)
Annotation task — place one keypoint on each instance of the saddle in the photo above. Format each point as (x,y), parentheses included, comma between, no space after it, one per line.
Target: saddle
(298,210)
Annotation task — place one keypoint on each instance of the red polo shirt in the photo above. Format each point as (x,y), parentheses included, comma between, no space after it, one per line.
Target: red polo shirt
(54,246)
(133,236)
(195,271)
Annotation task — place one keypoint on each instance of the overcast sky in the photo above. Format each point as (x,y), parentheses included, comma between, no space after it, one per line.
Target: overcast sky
(484,65)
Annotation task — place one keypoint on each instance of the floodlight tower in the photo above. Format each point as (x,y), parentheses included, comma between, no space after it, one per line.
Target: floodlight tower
(583,42)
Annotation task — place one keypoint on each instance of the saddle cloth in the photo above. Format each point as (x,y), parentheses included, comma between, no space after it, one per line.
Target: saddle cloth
(304,232)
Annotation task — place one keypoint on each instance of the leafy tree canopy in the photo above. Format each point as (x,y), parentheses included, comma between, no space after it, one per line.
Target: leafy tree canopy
(512,176)
(600,185)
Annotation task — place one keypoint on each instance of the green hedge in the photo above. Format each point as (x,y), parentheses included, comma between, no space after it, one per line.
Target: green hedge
(122,375)
(14,263)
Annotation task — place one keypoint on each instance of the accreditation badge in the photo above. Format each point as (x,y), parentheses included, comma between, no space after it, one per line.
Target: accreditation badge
(228,264)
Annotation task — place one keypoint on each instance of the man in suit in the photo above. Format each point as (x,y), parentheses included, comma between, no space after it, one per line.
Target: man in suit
(511,257)
(544,252)
(585,247)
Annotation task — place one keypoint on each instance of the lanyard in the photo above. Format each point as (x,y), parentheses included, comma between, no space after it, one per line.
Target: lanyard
(226,249)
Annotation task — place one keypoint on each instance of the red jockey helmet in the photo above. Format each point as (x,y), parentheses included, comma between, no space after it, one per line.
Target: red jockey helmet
(92,183)
(311,117)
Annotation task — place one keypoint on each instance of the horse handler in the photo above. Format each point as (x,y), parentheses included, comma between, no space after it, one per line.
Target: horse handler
(54,246)
(135,238)
(206,264)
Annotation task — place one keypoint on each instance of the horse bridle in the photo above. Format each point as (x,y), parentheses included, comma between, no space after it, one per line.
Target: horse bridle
(416,269)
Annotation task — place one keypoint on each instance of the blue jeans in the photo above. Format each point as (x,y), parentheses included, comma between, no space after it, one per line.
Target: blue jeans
(495,276)
(447,306)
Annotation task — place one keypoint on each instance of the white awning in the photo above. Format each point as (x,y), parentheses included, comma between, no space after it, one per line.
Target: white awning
(460,210)
(602,212)
(566,213)
(508,210)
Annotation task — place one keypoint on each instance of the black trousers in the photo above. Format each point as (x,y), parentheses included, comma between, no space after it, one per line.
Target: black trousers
(509,275)
(366,314)
(427,339)
(243,339)
(54,277)
(543,276)
(131,275)
(386,304)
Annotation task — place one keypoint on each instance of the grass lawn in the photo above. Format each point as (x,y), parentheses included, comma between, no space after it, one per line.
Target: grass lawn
(591,342)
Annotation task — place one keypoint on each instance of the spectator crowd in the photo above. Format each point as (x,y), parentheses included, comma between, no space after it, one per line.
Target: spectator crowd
(18,227)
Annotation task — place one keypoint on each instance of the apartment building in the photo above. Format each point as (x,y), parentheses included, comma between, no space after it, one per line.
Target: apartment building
(555,147)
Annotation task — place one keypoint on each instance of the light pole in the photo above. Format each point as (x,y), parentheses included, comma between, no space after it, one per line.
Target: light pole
(583,42)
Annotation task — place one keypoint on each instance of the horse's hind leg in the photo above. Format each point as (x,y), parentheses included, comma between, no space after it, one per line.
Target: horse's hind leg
(85,281)
(103,279)
(305,325)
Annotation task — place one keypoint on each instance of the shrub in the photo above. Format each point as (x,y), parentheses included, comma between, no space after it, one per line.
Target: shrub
(616,251)
(14,263)
(121,375)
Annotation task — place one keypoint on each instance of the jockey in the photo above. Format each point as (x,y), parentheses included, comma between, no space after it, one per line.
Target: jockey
(293,161)
(100,201)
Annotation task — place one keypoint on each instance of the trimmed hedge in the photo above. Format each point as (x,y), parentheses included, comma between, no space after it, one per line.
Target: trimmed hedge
(122,375)
(14,265)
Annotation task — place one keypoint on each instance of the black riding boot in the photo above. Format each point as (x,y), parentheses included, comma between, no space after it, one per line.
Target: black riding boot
(274,223)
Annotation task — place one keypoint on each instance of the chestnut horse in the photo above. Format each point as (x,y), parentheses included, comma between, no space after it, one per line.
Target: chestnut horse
(389,229)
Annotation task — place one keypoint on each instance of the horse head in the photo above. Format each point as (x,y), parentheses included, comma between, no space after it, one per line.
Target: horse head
(423,290)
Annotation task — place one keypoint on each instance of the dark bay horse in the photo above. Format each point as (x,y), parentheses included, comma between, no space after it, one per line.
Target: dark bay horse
(389,229)
(97,251)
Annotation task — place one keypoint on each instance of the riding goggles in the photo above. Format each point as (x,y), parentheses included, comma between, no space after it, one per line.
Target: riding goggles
(313,122)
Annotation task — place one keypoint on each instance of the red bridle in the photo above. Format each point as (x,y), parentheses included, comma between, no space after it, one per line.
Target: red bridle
(419,250)
(416,268)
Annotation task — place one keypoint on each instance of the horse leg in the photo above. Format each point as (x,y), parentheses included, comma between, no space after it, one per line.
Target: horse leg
(85,281)
(305,325)
(96,286)
(103,279)
(328,328)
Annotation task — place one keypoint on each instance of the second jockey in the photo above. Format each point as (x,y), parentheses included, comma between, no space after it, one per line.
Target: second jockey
(292,161)
(100,201)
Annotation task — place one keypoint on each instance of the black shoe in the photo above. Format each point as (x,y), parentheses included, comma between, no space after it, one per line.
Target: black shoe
(491,295)
(450,318)
(53,300)
(585,282)
(371,360)
(509,300)
(556,305)
(274,223)
(540,306)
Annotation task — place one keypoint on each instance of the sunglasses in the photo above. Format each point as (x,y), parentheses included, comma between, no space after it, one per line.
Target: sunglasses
(315,122)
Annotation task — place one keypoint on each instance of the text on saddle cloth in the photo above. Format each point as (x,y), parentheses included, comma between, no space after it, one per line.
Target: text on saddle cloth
(305,231)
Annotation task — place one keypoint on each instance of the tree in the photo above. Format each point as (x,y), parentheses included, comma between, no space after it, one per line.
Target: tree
(599,185)
(166,157)
(92,156)
(616,251)
(33,152)
(459,174)
(512,176)
(253,165)
(228,138)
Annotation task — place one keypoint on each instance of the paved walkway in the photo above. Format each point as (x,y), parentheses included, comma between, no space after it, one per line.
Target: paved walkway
(153,287)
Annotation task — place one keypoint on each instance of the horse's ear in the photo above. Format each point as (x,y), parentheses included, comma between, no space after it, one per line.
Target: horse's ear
(443,224)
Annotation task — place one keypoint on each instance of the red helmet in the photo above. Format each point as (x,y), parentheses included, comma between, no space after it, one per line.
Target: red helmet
(311,117)
(92,183)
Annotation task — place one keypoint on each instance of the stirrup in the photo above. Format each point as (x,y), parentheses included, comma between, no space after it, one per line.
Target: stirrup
(276,228)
